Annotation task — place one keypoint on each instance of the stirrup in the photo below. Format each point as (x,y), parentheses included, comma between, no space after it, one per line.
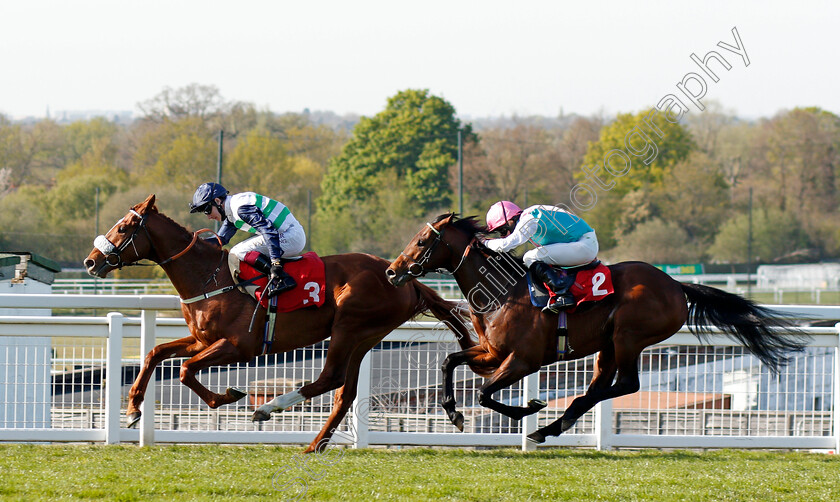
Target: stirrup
(284,284)
(558,303)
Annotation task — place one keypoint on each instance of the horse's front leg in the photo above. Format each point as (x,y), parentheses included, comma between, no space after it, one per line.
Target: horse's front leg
(183,347)
(219,353)
(478,358)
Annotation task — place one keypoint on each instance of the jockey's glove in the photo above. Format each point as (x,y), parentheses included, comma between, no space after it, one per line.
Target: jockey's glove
(276,270)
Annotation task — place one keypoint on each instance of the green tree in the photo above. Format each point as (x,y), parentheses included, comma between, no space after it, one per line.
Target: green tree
(629,155)
(74,198)
(656,241)
(776,233)
(182,153)
(406,150)
(693,195)
(415,137)
(94,141)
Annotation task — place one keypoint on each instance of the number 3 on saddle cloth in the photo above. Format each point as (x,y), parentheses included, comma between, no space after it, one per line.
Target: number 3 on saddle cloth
(308,273)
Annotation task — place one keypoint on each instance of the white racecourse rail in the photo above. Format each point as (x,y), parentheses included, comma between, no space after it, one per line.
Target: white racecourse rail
(56,373)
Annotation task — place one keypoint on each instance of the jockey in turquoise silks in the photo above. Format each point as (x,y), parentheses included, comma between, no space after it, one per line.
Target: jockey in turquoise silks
(560,237)
(279,233)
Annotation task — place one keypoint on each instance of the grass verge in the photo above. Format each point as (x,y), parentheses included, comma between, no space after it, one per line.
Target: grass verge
(209,472)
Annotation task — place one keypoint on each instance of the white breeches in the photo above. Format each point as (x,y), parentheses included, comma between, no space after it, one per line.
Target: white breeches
(292,242)
(565,254)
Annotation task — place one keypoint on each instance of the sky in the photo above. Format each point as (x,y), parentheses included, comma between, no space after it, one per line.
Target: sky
(487,58)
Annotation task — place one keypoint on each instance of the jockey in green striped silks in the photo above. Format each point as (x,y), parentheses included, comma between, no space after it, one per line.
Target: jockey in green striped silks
(279,233)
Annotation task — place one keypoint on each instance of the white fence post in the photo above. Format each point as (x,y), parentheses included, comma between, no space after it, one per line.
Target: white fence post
(362,404)
(603,425)
(147,343)
(113,378)
(529,424)
(836,407)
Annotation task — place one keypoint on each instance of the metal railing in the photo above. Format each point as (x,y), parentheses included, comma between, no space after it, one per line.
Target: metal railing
(734,283)
(56,370)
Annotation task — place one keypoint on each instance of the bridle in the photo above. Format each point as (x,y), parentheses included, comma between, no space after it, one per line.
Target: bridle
(417,268)
(113,253)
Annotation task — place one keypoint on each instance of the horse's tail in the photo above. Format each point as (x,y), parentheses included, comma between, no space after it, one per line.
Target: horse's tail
(768,335)
(452,314)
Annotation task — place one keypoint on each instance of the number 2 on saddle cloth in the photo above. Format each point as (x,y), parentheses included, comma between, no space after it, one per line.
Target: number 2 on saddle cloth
(308,273)
(593,282)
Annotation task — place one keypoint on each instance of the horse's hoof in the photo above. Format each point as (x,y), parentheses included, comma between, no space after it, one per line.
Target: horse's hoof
(236,393)
(536,437)
(537,404)
(133,418)
(260,416)
(458,420)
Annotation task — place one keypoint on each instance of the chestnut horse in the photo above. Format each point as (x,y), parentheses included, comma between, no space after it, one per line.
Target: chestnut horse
(516,339)
(360,308)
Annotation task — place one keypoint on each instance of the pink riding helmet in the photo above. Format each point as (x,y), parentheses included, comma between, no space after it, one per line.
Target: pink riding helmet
(500,212)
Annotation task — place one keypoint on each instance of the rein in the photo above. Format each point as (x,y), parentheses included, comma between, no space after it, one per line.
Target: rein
(190,245)
(113,255)
(427,255)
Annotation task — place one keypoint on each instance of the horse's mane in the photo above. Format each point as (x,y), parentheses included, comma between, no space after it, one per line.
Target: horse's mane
(154,210)
(169,220)
(512,264)
(468,225)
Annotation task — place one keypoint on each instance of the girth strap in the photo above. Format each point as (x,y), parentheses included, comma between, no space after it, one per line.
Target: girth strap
(220,291)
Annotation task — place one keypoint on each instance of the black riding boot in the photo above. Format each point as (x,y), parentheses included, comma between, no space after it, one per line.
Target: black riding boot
(559,282)
(283,282)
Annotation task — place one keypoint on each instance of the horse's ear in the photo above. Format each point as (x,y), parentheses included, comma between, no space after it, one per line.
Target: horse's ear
(146,205)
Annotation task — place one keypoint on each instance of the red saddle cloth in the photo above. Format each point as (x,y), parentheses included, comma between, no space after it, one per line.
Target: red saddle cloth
(592,285)
(308,273)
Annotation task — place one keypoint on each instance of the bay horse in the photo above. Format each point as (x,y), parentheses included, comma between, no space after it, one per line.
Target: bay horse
(517,339)
(359,309)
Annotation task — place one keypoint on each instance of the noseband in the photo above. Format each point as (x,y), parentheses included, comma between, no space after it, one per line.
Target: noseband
(113,253)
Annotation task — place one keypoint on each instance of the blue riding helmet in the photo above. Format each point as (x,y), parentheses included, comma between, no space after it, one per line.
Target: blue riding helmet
(205,194)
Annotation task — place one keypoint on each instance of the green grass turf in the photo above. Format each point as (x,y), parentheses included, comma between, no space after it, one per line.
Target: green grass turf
(73,472)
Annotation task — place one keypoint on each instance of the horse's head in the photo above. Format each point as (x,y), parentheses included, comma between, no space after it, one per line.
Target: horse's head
(125,243)
(438,245)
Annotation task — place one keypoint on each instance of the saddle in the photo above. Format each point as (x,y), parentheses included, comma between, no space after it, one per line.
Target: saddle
(308,271)
(592,282)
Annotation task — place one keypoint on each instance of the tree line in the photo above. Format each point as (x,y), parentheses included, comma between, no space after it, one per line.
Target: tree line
(715,179)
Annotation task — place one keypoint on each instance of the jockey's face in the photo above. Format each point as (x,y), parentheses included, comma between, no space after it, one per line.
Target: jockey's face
(214,213)
(507,228)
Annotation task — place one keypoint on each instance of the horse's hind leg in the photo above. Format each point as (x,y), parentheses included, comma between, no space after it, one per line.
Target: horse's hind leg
(511,371)
(344,397)
(183,347)
(332,377)
(220,353)
(601,388)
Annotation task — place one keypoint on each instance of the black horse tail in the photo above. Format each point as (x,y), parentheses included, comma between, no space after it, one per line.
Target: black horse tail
(453,314)
(770,336)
